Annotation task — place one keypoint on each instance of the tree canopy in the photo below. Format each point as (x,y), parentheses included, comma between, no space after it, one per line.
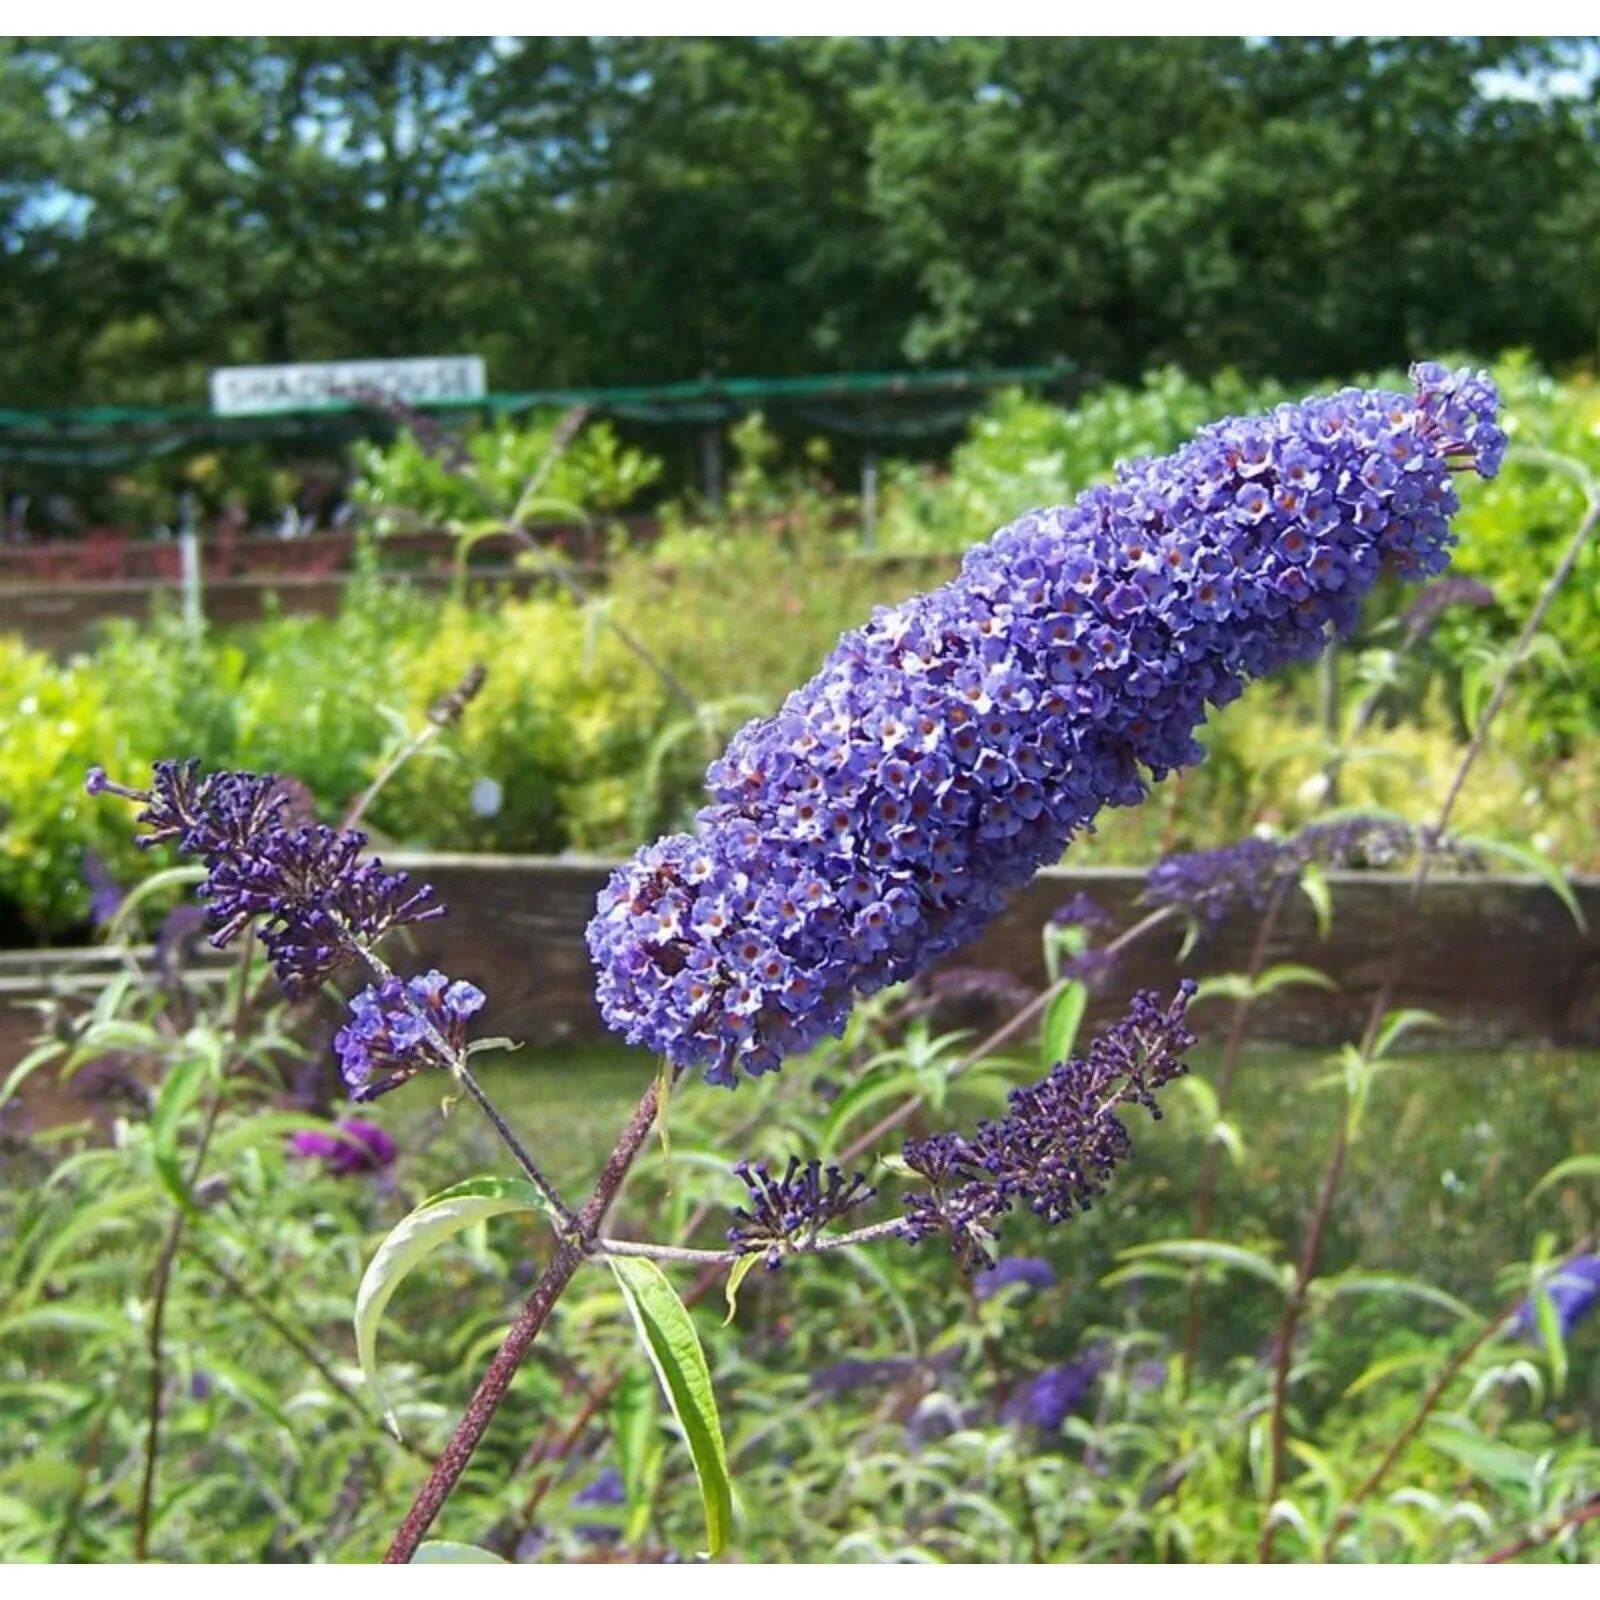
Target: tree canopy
(594,211)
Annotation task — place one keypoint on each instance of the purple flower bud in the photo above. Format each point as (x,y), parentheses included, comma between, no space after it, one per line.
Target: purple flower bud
(960,740)
(313,900)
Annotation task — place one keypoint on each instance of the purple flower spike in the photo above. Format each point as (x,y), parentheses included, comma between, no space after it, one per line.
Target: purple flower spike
(352,1146)
(1574,1293)
(1060,1140)
(958,742)
(314,901)
(1047,1401)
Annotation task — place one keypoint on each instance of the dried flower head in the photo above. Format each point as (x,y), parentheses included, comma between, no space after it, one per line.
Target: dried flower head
(1059,1142)
(960,740)
(794,1209)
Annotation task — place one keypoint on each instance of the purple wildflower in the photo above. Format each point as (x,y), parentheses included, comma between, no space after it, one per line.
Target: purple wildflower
(1060,1139)
(960,740)
(1081,911)
(604,1489)
(792,1209)
(1046,1401)
(1029,1271)
(314,902)
(844,1377)
(349,1147)
(401,1027)
(1574,1292)
(105,893)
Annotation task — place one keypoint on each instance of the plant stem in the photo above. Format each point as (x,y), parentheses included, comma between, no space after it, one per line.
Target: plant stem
(161,1289)
(570,1254)
(1394,968)
(1587,1512)
(727,1258)
(460,1071)
(1205,1198)
(515,1145)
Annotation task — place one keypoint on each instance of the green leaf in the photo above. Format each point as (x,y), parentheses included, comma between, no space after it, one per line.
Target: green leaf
(1314,886)
(1230,1257)
(1394,1284)
(168,878)
(412,1241)
(179,1091)
(1572,1167)
(1541,866)
(1061,1022)
(441,1552)
(667,1334)
(635,1418)
(1400,1022)
(27,1066)
(741,1271)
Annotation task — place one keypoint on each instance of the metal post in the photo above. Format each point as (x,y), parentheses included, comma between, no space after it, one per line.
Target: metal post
(711,466)
(869,499)
(189,565)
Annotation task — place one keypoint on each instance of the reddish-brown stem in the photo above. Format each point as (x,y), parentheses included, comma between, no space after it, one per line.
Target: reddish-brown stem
(1587,1512)
(570,1254)
(1381,1001)
(1427,1406)
(1206,1191)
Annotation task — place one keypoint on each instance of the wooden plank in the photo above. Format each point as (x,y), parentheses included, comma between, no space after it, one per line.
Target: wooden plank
(1498,957)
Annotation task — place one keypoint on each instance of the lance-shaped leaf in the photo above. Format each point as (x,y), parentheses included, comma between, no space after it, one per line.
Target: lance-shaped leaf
(412,1241)
(667,1334)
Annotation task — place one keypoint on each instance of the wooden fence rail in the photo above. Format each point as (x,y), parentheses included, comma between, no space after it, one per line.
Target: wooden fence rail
(1500,959)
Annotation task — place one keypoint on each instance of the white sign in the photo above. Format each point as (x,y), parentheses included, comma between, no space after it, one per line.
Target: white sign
(259,391)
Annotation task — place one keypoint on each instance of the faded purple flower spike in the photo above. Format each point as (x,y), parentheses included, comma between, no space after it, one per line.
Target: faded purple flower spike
(1056,1147)
(959,741)
(792,1209)
(351,1146)
(1210,883)
(315,902)
(1029,1271)
(402,1027)
(1046,1401)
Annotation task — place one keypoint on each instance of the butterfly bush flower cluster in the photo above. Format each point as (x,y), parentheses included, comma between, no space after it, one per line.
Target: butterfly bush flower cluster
(958,741)
(1056,1147)
(402,1026)
(316,903)
(314,900)
(789,1212)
